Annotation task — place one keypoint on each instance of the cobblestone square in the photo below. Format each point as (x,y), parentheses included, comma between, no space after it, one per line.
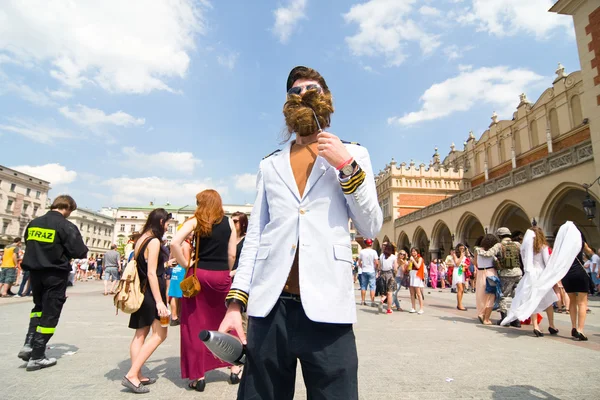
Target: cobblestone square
(442,354)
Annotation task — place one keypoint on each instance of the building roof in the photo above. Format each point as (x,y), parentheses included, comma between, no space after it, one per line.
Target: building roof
(189,208)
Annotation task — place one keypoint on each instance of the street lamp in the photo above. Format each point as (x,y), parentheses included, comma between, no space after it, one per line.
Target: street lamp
(589,205)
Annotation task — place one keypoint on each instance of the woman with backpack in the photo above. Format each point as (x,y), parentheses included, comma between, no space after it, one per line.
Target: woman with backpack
(216,241)
(484,263)
(389,268)
(151,269)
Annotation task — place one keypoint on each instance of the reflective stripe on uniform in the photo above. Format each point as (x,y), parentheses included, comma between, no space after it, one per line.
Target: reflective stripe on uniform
(35,314)
(45,331)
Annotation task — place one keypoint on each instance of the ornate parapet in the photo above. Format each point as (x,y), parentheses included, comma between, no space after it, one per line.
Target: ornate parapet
(553,163)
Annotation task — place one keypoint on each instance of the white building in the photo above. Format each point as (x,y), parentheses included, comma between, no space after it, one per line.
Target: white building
(96,229)
(22,198)
(132,219)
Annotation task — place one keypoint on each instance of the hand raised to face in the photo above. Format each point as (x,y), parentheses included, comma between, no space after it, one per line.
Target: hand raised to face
(332,149)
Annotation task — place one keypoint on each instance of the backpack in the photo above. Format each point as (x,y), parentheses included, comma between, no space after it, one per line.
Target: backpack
(129,293)
(509,257)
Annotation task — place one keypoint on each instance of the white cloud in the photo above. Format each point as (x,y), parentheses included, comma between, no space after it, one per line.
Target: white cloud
(454,52)
(288,18)
(245,182)
(132,191)
(498,86)
(229,60)
(34,131)
(511,17)
(56,174)
(131,46)
(60,94)
(385,28)
(183,162)
(429,11)
(92,117)
(26,93)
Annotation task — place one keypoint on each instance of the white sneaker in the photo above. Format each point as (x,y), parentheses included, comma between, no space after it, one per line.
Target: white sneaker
(420,312)
(412,311)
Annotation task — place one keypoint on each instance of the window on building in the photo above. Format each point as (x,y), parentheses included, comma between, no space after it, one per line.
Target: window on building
(533,131)
(170,229)
(13,186)
(38,194)
(5,225)
(9,205)
(501,153)
(27,192)
(35,210)
(132,228)
(88,227)
(87,241)
(517,139)
(385,207)
(25,208)
(576,111)
(95,229)
(554,130)
(81,226)
(122,228)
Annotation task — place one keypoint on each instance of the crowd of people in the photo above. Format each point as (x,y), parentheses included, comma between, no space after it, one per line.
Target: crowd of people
(494,270)
(267,280)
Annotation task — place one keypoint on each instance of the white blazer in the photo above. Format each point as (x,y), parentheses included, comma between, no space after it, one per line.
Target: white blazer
(317,221)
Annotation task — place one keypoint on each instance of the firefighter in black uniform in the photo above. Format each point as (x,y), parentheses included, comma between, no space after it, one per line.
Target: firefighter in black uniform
(52,242)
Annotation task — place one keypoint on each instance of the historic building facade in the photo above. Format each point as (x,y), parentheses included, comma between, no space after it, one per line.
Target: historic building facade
(531,167)
(22,198)
(96,230)
(132,219)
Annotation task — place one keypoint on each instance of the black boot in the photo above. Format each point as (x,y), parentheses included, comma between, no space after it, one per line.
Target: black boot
(25,353)
(502,316)
(516,323)
(39,342)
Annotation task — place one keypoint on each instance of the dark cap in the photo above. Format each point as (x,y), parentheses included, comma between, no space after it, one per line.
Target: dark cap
(304,72)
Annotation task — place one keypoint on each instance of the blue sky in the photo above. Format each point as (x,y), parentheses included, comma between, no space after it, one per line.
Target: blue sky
(120,103)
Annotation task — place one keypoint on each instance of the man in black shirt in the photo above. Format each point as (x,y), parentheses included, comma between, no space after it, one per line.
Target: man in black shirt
(52,242)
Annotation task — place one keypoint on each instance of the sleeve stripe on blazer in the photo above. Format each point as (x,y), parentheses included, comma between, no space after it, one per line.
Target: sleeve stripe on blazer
(236,294)
(351,185)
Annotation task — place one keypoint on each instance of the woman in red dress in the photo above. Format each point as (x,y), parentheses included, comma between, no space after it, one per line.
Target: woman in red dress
(216,256)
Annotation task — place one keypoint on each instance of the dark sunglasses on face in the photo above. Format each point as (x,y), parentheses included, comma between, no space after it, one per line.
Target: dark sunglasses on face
(298,89)
(235,221)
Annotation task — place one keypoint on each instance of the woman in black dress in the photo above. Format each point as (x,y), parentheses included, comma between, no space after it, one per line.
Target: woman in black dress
(151,269)
(576,284)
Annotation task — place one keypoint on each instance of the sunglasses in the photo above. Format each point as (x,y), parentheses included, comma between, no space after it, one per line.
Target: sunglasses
(298,89)
(235,221)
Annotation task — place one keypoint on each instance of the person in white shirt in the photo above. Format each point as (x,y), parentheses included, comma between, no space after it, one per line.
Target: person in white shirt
(367,260)
(389,268)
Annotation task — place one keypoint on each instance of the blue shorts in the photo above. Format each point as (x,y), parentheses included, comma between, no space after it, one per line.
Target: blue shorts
(111,274)
(367,279)
(177,275)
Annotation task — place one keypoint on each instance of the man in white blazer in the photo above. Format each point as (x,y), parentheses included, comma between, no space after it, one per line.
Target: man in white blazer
(295,271)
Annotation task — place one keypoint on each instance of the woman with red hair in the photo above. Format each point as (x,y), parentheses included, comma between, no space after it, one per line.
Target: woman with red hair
(216,241)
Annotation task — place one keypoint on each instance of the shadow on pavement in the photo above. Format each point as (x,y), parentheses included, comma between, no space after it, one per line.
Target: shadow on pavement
(521,392)
(460,319)
(167,368)
(370,310)
(59,350)
(511,332)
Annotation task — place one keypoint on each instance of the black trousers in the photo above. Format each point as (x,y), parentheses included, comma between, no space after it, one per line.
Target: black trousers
(327,354)
(49,294)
